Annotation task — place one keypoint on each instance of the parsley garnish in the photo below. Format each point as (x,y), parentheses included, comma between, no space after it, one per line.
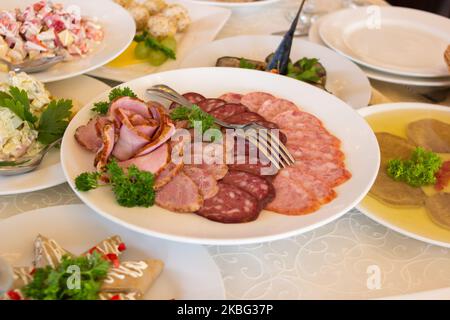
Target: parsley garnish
(194,115)
(133,188)
(417,171)
(308,70)
(102,107)
(155,44)
(52,284)
(54,120)
(17,101)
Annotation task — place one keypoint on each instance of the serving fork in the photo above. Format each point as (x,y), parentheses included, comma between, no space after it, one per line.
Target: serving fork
(33,66)
(268,143)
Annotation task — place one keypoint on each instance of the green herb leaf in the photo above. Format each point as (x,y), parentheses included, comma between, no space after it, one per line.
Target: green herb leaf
(18,102)
(54,120)
(87,181)
(194,115)
(12,163)
(52,284)
(132,189)
(417,171)
(156,45)
(101,107)
(308,70)
(245,64)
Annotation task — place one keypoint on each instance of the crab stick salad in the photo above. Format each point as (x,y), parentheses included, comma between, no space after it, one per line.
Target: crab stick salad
(46,29)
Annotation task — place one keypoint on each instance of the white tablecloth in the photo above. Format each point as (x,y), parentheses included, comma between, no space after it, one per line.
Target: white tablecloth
(339,260)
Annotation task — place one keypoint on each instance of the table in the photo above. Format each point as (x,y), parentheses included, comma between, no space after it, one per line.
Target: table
(342,260)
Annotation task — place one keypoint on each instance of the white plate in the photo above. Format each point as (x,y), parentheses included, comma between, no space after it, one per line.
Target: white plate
(358,143)
(80,89)
(236,5)
(428,231)
(206,23)
(344,78)
(314,36)
(396,40)
(76,228)
(119,31)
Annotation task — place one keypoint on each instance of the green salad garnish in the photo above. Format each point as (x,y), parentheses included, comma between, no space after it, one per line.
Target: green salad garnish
(102,107)
(195,117)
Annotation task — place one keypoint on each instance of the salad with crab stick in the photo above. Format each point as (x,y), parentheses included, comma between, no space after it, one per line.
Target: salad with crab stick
(46,29)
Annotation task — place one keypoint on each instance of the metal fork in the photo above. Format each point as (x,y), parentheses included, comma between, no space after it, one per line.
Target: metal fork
(267,143)
(33,66)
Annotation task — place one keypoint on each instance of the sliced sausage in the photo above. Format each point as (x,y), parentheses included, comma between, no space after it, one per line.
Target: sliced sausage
(228,110)
(192,97)
(209,105)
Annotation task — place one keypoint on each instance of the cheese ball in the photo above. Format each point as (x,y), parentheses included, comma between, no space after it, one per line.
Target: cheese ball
(179,15)
(125,3)
(161,26)
(140,15)
(155,6)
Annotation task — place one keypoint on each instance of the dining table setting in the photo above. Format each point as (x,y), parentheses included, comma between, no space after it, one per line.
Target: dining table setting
(224,150)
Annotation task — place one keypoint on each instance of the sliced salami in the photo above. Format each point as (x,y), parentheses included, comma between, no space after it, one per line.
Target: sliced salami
(317,135)
(254,100)
(230,205)
(292,198)
(256,185)
(209,105)
(272,107)
(192,97)
(296,120)
(315,151)
(228,110)
(331,172)
(244,118)
(218,171)
(254,168)
(231,97)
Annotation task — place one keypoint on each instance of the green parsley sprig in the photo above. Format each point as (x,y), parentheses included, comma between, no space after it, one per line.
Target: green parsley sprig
(102,107)
(194,115)
(132,188)
(308,70)
(419,170)
(53,120)
(52,283)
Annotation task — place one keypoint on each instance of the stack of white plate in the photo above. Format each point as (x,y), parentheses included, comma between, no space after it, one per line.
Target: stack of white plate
(391,44)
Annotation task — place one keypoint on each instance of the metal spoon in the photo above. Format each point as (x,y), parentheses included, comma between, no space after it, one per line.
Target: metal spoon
(26,164)
(33,66)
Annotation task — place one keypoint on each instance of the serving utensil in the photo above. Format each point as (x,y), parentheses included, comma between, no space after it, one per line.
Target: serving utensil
(10,168)
(280,59)
(33,66)
(268,143)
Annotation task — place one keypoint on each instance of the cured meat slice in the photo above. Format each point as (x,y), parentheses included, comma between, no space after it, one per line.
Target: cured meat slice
(192,97)
(231,97)
(129,142)
(296,120)
(254,100)
(272,107)
(217,170)
(102,156)
(315,151)
(244,118)
(314,135)
(230,205)
(128,105)
(209,105)
(167,173)
(228,110)
(152,162)
(316,187)
(203,179)
(291,197)
(87,136)
(256,169)
(257,186)
(180,194)
(333,173)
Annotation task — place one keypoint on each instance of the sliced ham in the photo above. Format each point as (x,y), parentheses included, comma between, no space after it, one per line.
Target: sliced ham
(87,136)
(102,156)
(217,170)
(129,142)
(167,173)
(181,194)
(129,104)
(152,162)
(203,179)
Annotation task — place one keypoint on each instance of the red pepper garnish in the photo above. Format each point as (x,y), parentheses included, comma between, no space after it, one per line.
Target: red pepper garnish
(443,176)
(115,297)
(122,247)
(32,271)
(114,259)
(14,295)
(93,249)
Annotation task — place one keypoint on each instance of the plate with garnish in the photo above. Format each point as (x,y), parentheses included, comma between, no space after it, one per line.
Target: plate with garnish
(411,194)
(122,264)
(24,137)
